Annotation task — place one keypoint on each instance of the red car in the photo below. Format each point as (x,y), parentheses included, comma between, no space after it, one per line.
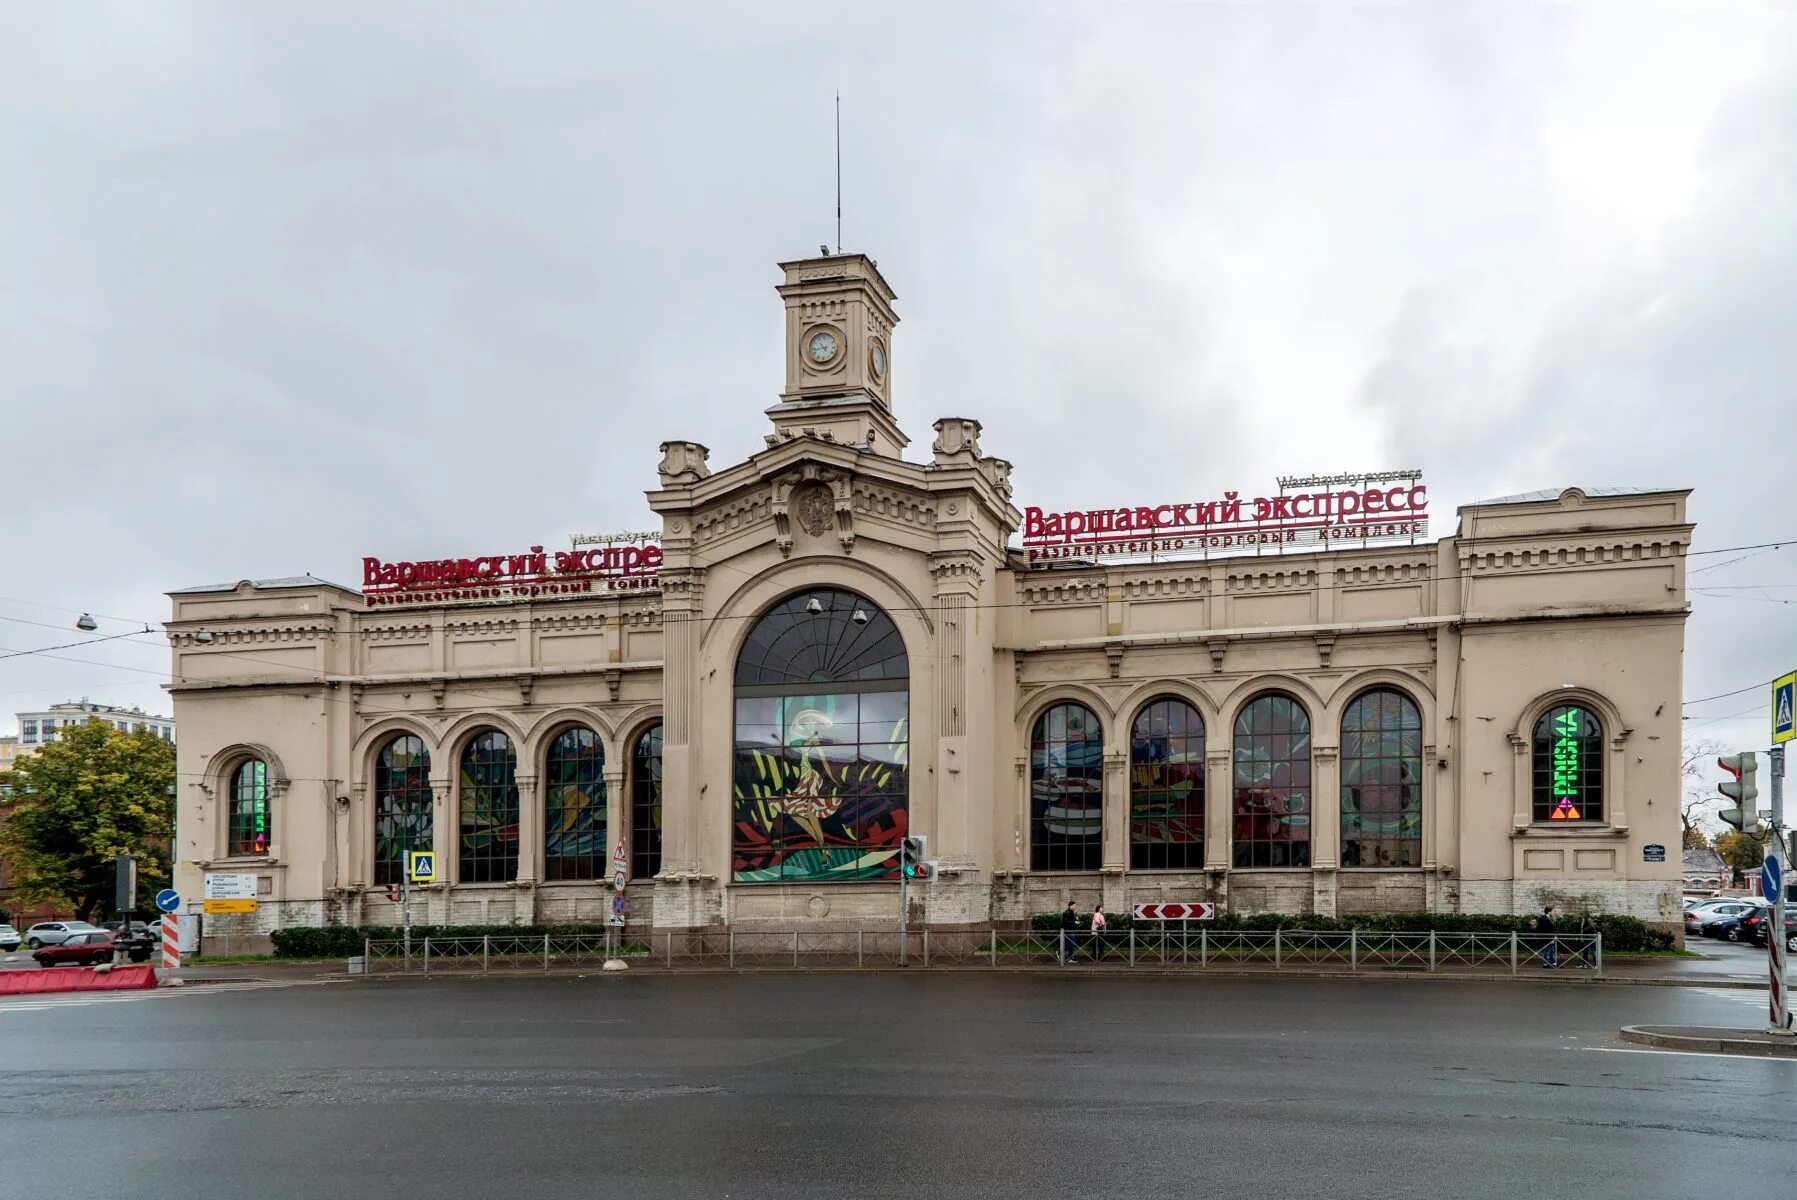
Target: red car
(81,950)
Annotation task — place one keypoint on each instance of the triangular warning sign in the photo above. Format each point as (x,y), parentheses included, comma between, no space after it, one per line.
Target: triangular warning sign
(1782,716)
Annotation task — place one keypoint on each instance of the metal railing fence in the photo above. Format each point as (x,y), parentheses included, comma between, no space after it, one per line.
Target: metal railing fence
(1170,946)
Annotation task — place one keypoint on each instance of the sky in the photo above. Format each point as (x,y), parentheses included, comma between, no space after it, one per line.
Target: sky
(286,284)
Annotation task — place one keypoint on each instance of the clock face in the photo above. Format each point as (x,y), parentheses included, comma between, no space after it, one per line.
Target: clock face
(878,358)
(822,346)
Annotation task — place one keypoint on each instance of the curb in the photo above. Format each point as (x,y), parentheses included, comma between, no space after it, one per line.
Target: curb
(1750,1044)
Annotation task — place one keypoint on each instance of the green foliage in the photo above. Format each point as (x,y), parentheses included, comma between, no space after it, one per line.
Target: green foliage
(343,941)
(79,802)
(1621,934)
(1741,851)
(1694,838)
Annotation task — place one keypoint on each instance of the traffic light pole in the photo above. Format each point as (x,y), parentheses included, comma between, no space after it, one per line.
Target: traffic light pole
(1780,997)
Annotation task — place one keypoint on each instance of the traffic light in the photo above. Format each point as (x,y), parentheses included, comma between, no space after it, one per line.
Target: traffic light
(1740,789)
(393,893)
(914,859)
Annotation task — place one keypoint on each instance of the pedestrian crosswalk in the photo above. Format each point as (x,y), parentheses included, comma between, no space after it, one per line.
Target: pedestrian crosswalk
(61,1000)
(1754,998)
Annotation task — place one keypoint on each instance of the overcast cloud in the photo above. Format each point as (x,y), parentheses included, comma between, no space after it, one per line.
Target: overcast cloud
(285,284)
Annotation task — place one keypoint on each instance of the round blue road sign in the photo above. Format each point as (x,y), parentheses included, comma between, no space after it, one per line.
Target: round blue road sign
(168,900)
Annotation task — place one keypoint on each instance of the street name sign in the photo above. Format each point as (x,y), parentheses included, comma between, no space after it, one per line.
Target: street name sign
(1654,853)
(423,866)
(229,887)
(1173,912)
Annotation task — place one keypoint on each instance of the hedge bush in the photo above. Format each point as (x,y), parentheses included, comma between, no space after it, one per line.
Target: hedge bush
(343,941)
(1621,934)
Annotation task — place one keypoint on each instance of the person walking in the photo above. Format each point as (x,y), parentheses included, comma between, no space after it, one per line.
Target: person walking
(1098,928)
(1069,932)
(1545,925)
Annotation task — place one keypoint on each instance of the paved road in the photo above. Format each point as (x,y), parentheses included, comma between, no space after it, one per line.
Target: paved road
(888,1085)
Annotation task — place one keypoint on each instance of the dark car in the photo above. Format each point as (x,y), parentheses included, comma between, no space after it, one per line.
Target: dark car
(1758,934)
(81,950)
(1724,919)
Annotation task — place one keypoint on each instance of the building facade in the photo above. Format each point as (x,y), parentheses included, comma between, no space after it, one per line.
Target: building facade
(828,646)
(41,727)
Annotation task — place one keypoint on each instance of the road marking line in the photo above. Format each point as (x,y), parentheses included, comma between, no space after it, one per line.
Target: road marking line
(1691,1054)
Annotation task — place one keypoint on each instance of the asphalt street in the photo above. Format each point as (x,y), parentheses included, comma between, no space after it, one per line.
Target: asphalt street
(1065,1085)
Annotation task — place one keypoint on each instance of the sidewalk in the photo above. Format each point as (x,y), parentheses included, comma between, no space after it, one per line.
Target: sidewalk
(1707,1039)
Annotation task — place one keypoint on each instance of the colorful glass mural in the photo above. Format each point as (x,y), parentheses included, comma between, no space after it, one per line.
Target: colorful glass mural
(1568,765)
(574,807)
(1067,790)
(1272,783)
(1381,784)
(822,776)
(489,816)
(1166,787)
(249,809)
(402,805)
(645,805)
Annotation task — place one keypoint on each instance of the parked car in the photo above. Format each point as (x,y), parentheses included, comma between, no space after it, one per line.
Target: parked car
(9,938)
(52,933)
(133,937)
(79,949)
(1696,915)
(1718,920)
(1759,932)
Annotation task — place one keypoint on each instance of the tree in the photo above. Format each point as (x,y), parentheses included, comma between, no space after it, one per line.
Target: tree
(1741,851)
(79,802)
(1701,798)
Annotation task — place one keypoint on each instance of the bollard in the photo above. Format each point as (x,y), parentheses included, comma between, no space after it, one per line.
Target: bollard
(1431,949)
(730,941)
(1132,945)
(1203,947)
(427,955)
(1599,968)
(1512,952)
(1353,949)
(994,945)
(486,952)
(859,946)
(926,945)
(1278,948)
(670,951)
(545,952)
(368,955)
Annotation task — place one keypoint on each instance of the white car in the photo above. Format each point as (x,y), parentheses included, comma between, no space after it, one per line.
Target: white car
(54,933)
(9,938)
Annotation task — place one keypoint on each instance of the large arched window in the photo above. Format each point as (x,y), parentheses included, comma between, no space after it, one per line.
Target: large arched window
(645,805)
(1568,755)
(574,806)
(1166,787)
(822,740)
(489,801)
(1382,781)
(1272,783)
(1067,790)
(248,832)
(402,805)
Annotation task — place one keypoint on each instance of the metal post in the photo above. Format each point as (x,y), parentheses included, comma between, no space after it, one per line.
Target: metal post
(795,949)
(1132,945)
(1353,949)
(904,907)
(427,954)
(1203,947)
(670,950)
(994,944)
(1778,999)
(367,956)
(730,939)
(859,947)
(926,945)
(545,952)
(1431,949)
(1599,967)
(1513,952)
(1278,948)
(486,952)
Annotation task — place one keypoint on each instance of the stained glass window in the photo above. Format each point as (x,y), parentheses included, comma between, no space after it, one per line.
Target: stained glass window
(1272,783)
(822,742)
(248,832)
(1166,787)
(1382,788)
(645,805)
(402,805)
(1067,790)
(489,816)
(1568,754)
(574,807)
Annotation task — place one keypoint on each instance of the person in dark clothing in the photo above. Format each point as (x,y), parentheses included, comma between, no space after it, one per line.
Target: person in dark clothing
(1545,925)
(1069,934)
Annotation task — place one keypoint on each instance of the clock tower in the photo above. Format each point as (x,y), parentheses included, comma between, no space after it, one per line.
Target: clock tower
(839,320)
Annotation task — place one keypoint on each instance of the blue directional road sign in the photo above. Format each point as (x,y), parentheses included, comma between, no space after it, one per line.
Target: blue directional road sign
(1771,878)
(168,900)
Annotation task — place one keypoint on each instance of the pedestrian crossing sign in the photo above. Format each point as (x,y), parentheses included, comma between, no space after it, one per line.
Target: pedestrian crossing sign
(1784,698)
(424,866)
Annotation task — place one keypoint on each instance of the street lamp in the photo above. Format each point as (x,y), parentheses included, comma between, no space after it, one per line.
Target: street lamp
(87,624)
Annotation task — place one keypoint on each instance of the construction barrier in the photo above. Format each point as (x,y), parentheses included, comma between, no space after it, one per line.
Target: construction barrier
(76,979)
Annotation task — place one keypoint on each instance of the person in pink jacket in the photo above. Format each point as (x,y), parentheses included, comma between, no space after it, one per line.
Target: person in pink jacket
(1098,927)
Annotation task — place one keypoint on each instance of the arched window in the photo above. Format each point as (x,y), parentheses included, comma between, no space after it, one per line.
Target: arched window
(822,739)
(645,805)
(402,805)
(1272,783)
(1382,781)
(1568,755)
(1067,790)
(1166,787)
(248,833)
(489,801)
(574,806)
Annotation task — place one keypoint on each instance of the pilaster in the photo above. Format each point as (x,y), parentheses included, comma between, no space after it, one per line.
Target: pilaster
(1325,827)
(530,828)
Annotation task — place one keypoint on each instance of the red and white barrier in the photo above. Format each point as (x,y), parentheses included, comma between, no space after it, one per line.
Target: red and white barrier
(1174,912)
(76,979)
(171,941)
